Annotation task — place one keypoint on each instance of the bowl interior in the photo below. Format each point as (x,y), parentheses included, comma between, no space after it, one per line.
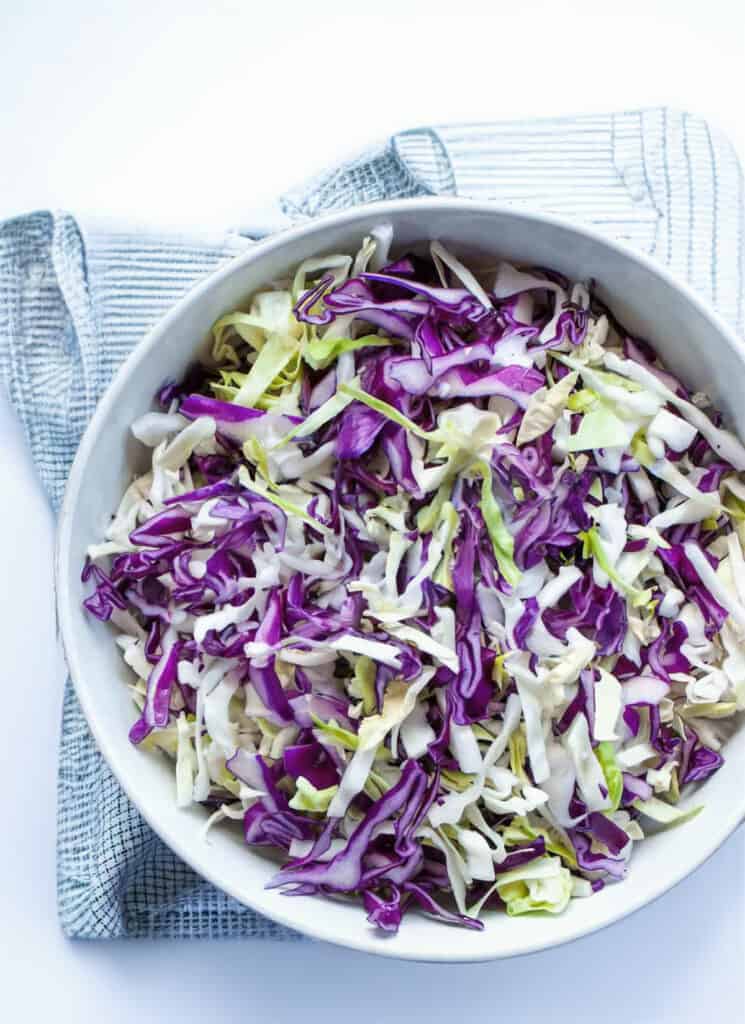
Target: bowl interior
(690,340)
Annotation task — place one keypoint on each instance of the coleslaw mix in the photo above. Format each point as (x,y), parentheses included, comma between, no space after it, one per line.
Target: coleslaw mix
(435,583)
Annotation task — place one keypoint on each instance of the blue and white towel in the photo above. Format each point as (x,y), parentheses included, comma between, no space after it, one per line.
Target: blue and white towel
(73,303)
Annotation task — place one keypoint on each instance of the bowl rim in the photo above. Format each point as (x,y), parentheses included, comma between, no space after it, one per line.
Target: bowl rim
(366,940)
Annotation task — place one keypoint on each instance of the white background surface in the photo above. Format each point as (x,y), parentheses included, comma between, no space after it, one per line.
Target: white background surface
(192,115)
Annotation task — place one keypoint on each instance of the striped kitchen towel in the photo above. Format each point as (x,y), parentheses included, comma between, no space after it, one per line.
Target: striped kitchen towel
(74,302)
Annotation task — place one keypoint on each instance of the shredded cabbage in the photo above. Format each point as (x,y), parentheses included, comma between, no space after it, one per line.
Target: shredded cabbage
(434,582)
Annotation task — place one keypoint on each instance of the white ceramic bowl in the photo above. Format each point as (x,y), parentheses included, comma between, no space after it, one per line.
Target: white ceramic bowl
(690,338)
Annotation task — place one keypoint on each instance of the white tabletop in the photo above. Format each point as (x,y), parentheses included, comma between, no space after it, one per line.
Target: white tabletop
(191,114)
